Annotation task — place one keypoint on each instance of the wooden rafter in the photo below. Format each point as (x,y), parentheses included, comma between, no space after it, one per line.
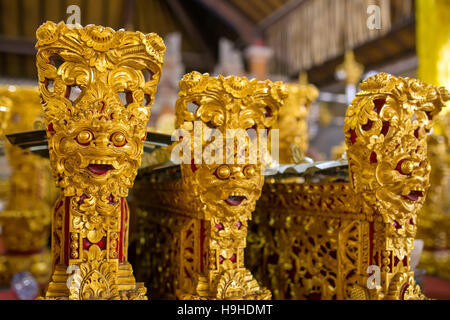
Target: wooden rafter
(245,28)
(192,30)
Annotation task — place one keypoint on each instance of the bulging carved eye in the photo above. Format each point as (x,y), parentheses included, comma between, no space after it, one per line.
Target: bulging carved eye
(84,137)
(223,172)
(249,170)
(118,139)
(405,167)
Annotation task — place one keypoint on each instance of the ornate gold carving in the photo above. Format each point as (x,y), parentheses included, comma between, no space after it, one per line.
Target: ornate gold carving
(207,208)
(317,240)
(26,218)
(385,131)
(293,118)
(97,87)
(98,277)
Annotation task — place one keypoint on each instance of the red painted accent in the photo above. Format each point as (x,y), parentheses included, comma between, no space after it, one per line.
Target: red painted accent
(391,261)
(221,259)
(238,225)
(367,126)
(371,233)
(399,167)
(82,197)
(110,199)
(58,205)
(121,239)
(403,290)
(373,157)
(100,169)
(219,226)
(86,244)
(385,128)
(202,243)
(50,128)
(405,261)
(233,258)
(101,244)
(396,261)
(129,97)
(396,224)
(103,106)
(352,136)
(145,136)
(379,103)
(193,166)
(66,230)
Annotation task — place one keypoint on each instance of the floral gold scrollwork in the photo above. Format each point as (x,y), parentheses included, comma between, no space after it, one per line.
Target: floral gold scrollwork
(225,195)
(330,233)
(97,276)
(97,87)
(207,205)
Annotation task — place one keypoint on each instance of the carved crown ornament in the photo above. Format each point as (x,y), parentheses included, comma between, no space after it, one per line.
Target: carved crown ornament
(97,87)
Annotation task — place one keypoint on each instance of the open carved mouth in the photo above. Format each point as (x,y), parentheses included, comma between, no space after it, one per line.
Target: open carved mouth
(100,169)
(235,200)
(414,195)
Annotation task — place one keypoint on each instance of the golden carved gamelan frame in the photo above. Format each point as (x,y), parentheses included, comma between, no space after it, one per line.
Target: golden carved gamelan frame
(197,214)
(317,240)
(97,87)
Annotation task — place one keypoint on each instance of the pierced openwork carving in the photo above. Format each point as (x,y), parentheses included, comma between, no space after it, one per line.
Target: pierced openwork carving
(207,205)
(317,239)
(97,87)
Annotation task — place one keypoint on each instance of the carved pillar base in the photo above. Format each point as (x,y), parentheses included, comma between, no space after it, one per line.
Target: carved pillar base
(237,284)
(91,264)
(97,87)
(127,287)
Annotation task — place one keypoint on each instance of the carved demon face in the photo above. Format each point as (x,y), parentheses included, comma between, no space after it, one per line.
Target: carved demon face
(97,87)
(228,189)
(386,128)
(221,105)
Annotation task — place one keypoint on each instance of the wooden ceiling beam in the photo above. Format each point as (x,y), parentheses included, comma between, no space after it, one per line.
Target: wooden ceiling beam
(129,14)
(17,45)
(192,30)
(233,17)
(279,13)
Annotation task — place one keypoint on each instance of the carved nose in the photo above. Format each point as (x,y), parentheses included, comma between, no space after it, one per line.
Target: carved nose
(101,141)
(237,173)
